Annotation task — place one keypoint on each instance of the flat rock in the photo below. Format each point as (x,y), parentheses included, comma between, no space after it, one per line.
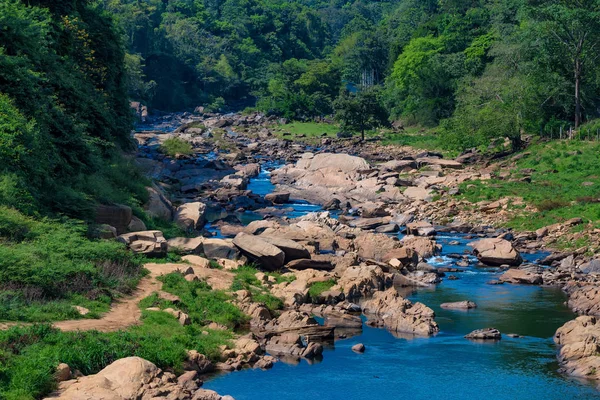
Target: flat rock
(459,305)
(485,334)
(302,264)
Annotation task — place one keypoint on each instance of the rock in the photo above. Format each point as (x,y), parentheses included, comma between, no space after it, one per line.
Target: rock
(423,246)
(579,353)
(399,165)
(358,348)
(485,334)
(439,161)
(278,198)
(591,267)
(515,275)
(190,216)
(420,228)
(369,223)
(150,243)
(404,256)
(303,264)
(459,305)
(374,246)
(358,281)
(496,252)
(333,204)
(585,300)
(81,310)
(220,248)
(117,215)
(400,315)
(196,261)
(418,193)
(102,232)
(136,225)
(341,162)
(268,256)
(134,378)
(63,372)
(373,210)
(158,206)
(187,245)
(293,250)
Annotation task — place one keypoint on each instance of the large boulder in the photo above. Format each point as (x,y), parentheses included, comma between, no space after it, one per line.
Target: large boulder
(220,248)
(579,342)
(363,280)
(134,378)
(485,334)
(515,275)
(341,162)
(397,314)
(496,252)
(190,216)
(158,206)
(424,246)
(117,215)
(149,243)
(293,250)
(375,245)
(264,253)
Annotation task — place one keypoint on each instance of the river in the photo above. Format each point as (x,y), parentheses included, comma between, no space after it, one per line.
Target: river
(445,366)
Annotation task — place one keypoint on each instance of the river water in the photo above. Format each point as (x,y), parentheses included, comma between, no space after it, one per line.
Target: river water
(445,366)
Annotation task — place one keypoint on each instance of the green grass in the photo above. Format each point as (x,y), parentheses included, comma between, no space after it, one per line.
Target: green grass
(559,169)
(174,146)
(317,288)
(29,355)
(45,260)
(245,279)
(203,304)
(417,137)
(313,131)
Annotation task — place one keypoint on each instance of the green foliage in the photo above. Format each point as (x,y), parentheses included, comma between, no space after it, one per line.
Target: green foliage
(317,288)
(361,111)
(42,260)
(174,146)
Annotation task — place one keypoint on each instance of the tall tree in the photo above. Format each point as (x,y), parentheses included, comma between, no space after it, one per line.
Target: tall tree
(360,111)
(570,36)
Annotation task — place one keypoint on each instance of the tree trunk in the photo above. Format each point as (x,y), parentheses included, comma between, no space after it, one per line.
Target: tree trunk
(362,134)
(577,93)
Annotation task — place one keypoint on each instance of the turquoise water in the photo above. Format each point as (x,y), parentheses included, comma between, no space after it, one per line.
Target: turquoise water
(445,366)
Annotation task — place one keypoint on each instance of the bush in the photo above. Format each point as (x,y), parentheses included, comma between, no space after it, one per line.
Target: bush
(175,146)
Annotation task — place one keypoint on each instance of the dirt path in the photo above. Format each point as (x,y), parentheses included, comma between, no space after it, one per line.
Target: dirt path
(123,313)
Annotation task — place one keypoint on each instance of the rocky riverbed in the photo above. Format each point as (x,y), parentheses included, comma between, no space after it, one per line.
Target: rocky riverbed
(387,235)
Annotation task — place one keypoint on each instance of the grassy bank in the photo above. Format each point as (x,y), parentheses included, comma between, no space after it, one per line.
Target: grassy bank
(29,355)
(565,183)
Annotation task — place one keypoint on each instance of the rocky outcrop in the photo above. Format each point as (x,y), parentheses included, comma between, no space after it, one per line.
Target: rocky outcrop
(134,378)
(397,314)
(363,280)
(118,216)
(264,253)
(579,353)
(190,216)
(496,252)
(220,248)
(584,299)
(150,243)
(340,162)
(158,206)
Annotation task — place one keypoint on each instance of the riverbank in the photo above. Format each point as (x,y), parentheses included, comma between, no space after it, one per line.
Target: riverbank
(390,236)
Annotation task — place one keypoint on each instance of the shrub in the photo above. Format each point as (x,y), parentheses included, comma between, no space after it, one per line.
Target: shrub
(316,288)
(175,146)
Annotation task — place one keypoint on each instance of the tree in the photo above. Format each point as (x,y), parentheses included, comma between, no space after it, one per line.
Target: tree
(570,32)
(360,111)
